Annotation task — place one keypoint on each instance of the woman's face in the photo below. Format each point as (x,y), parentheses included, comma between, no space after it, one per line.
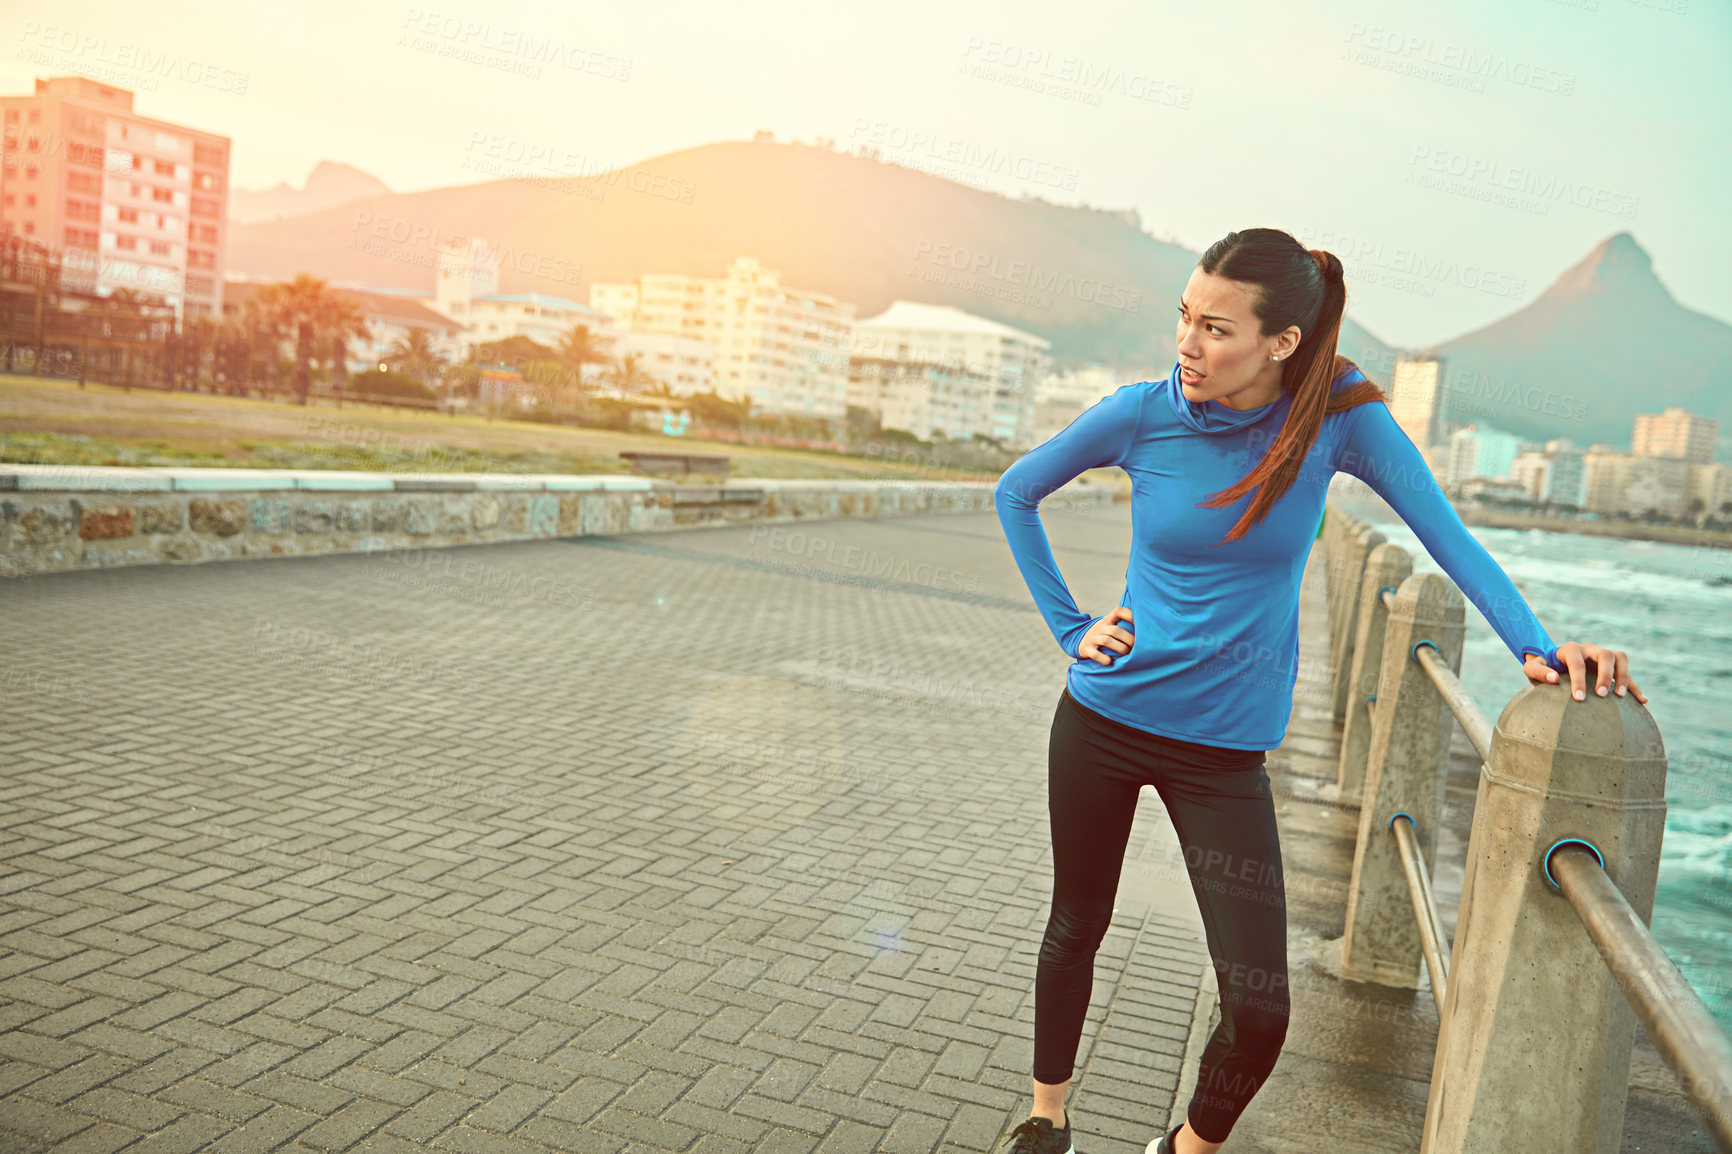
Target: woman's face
(1221,346)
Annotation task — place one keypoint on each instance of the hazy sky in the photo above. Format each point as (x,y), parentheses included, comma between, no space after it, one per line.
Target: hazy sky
(1456,156)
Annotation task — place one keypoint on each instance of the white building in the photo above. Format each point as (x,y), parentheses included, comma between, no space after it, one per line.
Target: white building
(923,397)
(1476,451)
(1711,484)
(467,292)
(685,365)
(1676,432)
(1416,398)
(1060,398)
(391,320)
(1552,475)
(773,343)
(1010,358)
(1635,485)
(1475,488)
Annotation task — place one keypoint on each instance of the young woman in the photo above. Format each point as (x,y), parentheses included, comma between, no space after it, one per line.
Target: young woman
(1229,458)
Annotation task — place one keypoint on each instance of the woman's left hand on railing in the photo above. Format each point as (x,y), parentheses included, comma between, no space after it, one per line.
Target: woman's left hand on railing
(1611,665)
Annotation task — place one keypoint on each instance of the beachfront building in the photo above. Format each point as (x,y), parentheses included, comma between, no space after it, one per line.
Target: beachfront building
(1012,360)
(926,398)
(1481,451)
(466,292)
(1416,398)
(1710,490)
(1060,398)
(131,202)
(1497,488)
(1552,475)
(685,365)
(1625,484)
(1675,433)
(774,344)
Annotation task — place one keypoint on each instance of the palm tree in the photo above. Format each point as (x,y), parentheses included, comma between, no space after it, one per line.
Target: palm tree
(200,336)
(337,319)
(124,324)
(415,353)
(260,334)
(580,347)
(309,309)
(628,376)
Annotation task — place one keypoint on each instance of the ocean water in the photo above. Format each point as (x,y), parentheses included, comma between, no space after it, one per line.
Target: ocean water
(1670,608)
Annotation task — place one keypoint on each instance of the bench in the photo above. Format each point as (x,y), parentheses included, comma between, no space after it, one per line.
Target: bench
(681,464)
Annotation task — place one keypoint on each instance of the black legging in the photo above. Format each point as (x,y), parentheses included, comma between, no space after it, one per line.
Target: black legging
(1221,807)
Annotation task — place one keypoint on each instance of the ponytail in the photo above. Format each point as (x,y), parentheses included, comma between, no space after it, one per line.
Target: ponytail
(1303,287)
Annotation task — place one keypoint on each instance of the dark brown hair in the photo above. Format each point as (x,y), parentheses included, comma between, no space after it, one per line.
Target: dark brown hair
(1297,286)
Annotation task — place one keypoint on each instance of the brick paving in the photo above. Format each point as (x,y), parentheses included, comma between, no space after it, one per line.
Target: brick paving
(723,841)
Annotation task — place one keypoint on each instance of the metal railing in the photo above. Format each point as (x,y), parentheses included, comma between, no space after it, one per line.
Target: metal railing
(1521,986)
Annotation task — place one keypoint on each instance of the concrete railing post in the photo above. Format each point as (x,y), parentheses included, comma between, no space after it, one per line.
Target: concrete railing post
(1356,550)
(1342,527)
(1334,525)
(1387,567)
(1534,1049)
(1405,773)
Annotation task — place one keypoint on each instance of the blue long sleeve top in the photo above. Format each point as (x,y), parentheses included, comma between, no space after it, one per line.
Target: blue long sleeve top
(1216,626)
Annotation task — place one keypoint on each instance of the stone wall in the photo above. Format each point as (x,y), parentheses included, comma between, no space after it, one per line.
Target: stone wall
(58,518)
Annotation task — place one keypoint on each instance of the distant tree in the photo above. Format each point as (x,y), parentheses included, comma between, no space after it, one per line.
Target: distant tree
(580,346)
(716,411)
(628,376)
(313,314)
(390,383)
(516,351)
(862,424)
(414,353)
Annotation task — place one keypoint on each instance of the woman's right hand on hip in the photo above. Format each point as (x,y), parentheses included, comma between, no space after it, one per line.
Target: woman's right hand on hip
(1104,638)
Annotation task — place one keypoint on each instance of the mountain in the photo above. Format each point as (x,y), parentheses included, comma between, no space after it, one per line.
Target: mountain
(1089,280)
(328,184)
(1606,341)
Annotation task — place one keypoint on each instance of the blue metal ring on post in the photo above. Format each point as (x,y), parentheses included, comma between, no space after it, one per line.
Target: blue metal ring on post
(1557,845)
(1382,589)
(1402,813)
(1413,653)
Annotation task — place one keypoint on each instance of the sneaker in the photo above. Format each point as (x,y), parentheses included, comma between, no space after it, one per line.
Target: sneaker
(1166,1143)
(1039,1136)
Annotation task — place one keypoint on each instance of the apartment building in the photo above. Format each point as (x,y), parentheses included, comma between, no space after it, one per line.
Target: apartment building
(923,397)
(132,202)
(466,292)
(1481,451)
(1710,490)
(1552,475)
(1416,398)
(1009,358)
(1060,398)
(1625,483)
(1675,433)
(774,344)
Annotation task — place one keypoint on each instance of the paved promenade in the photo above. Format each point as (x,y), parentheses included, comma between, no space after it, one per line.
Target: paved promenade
(722,841)
(718,841)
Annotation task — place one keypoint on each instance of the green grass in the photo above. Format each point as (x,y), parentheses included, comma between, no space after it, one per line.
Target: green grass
(79,449)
